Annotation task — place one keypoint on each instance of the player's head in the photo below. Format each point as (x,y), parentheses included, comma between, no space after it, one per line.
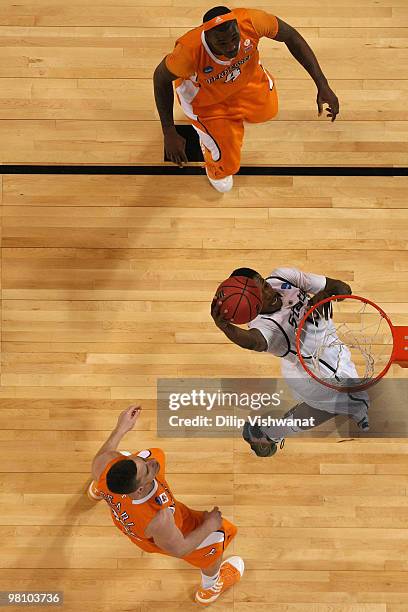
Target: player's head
(271,299)
(131,475)
(223,38)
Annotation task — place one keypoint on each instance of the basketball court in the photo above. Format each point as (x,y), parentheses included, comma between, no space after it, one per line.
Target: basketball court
(107,280)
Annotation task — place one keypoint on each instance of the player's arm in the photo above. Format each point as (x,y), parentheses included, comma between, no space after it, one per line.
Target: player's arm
(174,144)
(108,450)
(251,339)
(168,537)
(302,52)
(332,287)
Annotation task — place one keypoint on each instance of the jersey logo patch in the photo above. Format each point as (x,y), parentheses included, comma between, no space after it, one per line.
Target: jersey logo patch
(161,499)
(286,286)
(208,69)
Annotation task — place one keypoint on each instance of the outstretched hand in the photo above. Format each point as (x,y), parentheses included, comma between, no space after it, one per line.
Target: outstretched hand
(127,419)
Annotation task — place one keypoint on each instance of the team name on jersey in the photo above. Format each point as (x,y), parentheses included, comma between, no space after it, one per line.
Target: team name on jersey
(230,69)
(295,310)
(121,517)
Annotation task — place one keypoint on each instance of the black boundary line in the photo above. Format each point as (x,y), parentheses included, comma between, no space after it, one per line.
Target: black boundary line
(197,170)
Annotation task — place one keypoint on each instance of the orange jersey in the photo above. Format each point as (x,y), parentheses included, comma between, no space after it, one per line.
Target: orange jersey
(132,516)
(208,79)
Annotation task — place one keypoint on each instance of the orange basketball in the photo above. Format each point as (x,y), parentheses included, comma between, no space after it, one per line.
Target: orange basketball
(241,297)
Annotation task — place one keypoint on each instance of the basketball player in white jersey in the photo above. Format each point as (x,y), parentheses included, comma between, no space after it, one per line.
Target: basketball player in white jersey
(286,297)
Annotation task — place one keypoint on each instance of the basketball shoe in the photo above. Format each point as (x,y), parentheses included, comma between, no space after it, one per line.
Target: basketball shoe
(231,572)
(222,185)
(260,443)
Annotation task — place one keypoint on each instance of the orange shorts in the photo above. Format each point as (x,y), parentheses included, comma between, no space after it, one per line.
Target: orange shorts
(211,549)
(213,546)
(221,126)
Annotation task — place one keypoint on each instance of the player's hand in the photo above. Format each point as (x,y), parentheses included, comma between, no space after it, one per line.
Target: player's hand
(213,519)
(341,288)
(175,147)
(217,313)
(325,310)
(326,96)
(127,419)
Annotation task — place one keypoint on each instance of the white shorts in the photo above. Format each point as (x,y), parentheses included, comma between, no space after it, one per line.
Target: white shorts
(306,389)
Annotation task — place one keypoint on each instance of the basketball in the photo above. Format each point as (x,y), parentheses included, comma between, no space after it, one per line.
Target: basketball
(241,297)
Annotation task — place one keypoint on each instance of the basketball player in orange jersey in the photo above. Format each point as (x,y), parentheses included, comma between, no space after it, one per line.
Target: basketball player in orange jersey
(220,83)
(143,508)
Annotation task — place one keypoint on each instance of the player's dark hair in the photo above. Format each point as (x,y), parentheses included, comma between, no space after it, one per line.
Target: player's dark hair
(247,272)
(216,12)
(122,477)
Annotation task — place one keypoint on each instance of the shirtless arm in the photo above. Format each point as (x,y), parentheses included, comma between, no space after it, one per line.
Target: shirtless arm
(168,537)
(126,421)
(251,339)
(174,144)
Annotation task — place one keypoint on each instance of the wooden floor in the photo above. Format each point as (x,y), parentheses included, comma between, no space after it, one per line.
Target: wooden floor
(76,81)
(106,284)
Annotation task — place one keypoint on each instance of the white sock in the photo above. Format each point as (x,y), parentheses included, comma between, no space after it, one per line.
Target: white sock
(209,581)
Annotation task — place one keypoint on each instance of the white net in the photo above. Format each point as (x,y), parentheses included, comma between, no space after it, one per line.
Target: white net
(350,348)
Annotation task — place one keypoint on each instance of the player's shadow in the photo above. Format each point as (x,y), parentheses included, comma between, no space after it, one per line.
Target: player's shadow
(59,563)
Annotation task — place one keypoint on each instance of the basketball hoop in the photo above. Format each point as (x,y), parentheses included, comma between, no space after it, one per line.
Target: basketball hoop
(355,348)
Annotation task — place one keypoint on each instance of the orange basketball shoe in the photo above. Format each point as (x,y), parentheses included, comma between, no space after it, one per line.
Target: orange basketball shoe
(231,571)
(91,492)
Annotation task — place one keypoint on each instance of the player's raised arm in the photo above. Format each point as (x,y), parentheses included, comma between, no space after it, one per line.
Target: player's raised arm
(251,339)
(302,52)
(168,537)
(174,144)
(332,287)
(108,451)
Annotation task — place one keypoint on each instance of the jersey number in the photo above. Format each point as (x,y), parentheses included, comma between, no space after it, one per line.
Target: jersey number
(233,75)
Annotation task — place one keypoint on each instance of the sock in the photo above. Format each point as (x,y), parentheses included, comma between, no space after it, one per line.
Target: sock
(209,581)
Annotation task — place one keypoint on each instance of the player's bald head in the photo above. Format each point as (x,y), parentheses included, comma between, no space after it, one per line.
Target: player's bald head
(217,11)
(247,272)
(223,38)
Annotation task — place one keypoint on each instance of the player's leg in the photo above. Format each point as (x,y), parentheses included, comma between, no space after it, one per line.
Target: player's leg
(228,573)
(259,99)
(221,134)
(306,389)
(355,406)
(264,440)
(216,575)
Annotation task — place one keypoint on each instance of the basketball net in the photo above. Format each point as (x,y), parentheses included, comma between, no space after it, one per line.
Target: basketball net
(356,341)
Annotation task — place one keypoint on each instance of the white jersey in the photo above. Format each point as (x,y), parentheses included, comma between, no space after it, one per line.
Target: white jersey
(279,330)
